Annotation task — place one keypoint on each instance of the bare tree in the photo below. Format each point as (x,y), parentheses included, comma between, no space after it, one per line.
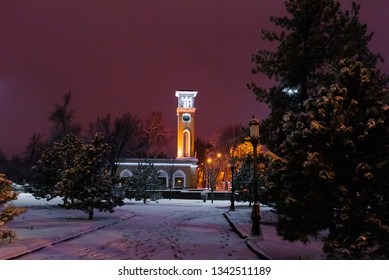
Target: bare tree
(155,135)
(31,155)
(229,138)
(34,148)
(215,170)
(62,119)
(120,134)
(228,143)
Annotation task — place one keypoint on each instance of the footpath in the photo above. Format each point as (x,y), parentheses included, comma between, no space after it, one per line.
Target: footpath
(42,227)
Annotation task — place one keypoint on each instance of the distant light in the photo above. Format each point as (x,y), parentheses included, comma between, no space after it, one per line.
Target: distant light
(290,91)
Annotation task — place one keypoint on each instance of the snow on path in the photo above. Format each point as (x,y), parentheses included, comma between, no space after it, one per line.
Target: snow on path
(168,230)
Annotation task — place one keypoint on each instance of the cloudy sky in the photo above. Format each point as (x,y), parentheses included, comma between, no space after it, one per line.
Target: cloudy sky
(131,55)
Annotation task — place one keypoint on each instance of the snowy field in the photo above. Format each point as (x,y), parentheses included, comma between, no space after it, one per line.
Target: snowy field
(176,229)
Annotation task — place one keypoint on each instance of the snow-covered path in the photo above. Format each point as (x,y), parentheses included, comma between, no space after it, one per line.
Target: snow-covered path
(167,230)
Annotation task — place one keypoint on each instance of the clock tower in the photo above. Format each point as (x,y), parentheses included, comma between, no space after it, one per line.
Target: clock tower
(185,123)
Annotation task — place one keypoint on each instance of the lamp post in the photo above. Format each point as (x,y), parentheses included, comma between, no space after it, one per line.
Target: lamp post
(232,166)
(255,213)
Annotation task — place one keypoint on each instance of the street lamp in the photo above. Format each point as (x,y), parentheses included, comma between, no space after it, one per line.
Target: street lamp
(232,166)
(255,213)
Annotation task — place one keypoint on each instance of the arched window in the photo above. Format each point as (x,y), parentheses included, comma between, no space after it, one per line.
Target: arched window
(125,173)
(179,180)
(124,177)
(163,178)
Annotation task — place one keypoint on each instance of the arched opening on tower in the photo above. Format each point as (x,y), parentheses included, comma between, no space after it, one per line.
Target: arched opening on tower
(186,143)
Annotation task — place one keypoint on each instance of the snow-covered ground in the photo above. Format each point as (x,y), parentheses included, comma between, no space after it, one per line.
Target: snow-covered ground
(189,232)
(176,229)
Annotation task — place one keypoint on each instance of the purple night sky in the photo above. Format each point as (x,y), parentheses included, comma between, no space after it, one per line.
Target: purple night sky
(131,55)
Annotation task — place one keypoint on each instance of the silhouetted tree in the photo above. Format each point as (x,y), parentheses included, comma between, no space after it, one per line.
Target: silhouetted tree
(214,170)
(34,148)
(122,136)
(228,139)
(15,170)
(3,162)
(62,118)
(155,135)
(31,154)
(202,148)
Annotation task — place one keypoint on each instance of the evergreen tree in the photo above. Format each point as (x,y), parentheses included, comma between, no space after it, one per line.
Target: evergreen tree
(78,173)
(315,36)
(144,182)
(54,161)
(243,182)
(337,156)
(329,140)
(87,184)
(7,209)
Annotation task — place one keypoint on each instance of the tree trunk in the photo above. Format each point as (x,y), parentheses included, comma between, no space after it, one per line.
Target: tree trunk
(90,213)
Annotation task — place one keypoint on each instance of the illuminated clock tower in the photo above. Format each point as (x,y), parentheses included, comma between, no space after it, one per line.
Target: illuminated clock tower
(185,123)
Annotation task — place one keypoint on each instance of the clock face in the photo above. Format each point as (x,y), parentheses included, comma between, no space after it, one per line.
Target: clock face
(186,117)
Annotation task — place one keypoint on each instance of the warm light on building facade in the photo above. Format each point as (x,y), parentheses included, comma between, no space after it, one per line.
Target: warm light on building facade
(177,173)
(185,123)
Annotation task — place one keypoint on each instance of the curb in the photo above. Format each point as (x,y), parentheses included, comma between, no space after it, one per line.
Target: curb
(245,235)
(237,228)
(257,250)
